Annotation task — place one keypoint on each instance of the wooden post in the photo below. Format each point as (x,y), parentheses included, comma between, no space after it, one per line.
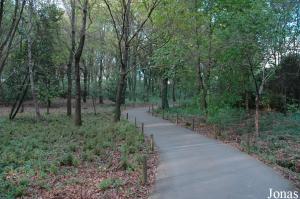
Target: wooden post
(143,128)
(163,113)
(127,116)
(135,121)
(177,118)
(151,143)
(144,180)
(193,124)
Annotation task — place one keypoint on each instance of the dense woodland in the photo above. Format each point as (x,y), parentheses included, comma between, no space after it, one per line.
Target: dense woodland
(218,53)
(215,59)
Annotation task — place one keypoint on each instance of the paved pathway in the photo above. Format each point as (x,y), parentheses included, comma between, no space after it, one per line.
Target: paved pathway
(195,167)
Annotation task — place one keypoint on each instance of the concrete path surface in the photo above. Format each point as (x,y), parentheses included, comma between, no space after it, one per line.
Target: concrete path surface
(195,167)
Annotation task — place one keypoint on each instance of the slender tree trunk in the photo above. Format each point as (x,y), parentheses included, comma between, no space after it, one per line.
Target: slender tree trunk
(247,101)
(124,63)
(174,91)
(71,59)
(30,64)
(129,83)
(284,102)
(6,44)
(78,121)
(85,79)
(257,101)
(120,93)
(78,54)
(145,86)
(164,94)
(134,85)
(100,81)
(48,106)
(204,101)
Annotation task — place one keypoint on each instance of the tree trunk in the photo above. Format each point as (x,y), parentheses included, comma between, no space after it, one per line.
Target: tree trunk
(100,81)
(284,102)
(124,64)
(119,96)
(164,94)
(204,101)
(30,64)
(48,106)
(134,85)
(78,121)
(6,44)
(85,79)
(78,54)
(247,101)
(257,100)
(174,91)
(71,59)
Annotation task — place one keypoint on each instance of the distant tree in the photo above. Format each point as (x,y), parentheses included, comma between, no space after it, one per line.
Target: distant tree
(125,34)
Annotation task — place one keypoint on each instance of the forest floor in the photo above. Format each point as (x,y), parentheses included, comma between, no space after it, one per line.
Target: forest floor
(55,159)
(277,146)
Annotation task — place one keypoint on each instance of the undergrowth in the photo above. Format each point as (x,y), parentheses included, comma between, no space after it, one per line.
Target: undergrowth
(31,153)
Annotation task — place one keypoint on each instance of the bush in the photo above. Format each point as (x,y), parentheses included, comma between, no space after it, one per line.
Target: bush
(110,183)
(69,160)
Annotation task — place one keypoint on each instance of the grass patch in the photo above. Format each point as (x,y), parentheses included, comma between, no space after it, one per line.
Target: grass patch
(110,183)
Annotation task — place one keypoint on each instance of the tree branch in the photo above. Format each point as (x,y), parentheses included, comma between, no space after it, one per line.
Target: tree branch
(155,4)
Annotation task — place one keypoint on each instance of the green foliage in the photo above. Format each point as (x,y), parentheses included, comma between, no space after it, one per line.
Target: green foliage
(51,146)
(110,183)
(69,160)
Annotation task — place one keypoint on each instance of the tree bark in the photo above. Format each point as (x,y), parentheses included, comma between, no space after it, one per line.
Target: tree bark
(5,46)
(48,106)
(30,64)
(164,94)
(71,59)
(257,101)
(77,118)
(124,62)
(100,81)
(119,96)
(85,79)
(174,91)
(247,101)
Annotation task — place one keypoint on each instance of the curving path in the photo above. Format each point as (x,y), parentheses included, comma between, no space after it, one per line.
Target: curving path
(195,167)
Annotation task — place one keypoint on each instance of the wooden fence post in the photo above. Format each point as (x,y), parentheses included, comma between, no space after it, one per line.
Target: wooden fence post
(135,121)
(143,128)
(151,143)
(163,116)
(177,118)
(127,116)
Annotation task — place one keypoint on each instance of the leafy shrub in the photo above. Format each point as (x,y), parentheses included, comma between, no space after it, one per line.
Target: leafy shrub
(110,183)
(69,160)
